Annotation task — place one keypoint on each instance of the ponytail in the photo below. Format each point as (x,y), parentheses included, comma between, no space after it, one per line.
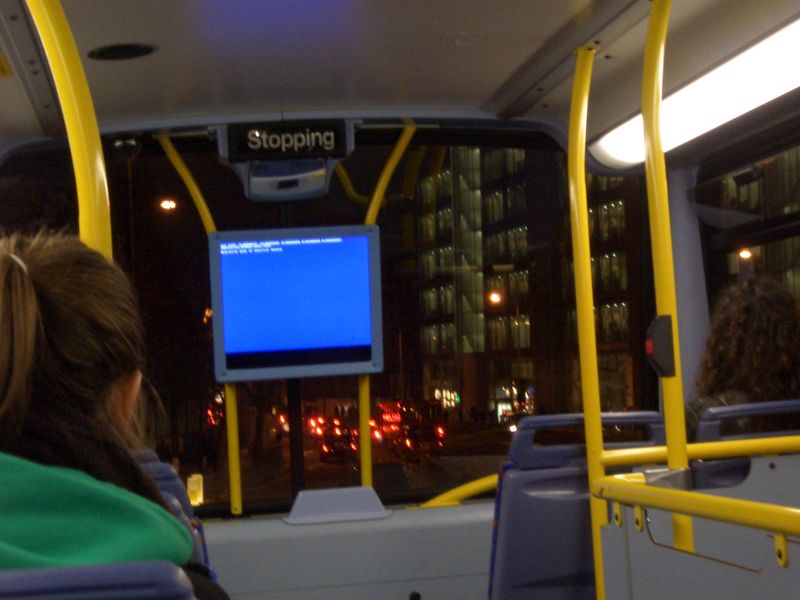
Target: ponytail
(19,323)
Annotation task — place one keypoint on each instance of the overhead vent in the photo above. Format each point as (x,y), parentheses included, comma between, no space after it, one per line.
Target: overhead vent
(121,51)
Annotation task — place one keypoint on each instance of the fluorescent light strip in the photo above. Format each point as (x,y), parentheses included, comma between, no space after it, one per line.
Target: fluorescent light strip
(750,79)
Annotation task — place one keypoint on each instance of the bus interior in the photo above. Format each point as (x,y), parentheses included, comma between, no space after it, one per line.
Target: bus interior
(552,237)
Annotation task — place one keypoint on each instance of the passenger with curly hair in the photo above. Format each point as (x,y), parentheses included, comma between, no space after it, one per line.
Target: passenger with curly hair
(752,353)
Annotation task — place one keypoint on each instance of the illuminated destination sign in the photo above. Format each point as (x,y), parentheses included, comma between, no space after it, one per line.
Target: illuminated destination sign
(287,140)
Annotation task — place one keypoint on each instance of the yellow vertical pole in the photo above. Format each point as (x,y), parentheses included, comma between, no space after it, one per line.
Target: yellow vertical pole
(364,431)
(411,175)
(364,434)
(661,236)
(581,255)
(94,213)
(231,407)
(190,183)
(232,429)
(376,201)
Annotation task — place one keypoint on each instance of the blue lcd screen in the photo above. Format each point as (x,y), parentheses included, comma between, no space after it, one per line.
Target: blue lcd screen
(296,302)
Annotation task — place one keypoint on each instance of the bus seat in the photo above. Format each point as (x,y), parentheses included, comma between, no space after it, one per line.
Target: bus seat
(732,471)
(175,495)
(165,477)
(541,547)
(156,580)
(195,527)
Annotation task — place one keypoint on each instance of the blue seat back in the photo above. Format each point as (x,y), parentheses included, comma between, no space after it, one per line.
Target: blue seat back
(156,580)
(709,427)
(165,477)
(175,495)
(730,472)
(542,545)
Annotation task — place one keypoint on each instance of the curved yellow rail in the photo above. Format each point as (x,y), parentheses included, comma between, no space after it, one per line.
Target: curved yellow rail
(189,182)
(455,496)
(661,237)
(364,434)
(347,185)
(386,174)
(94,212)
(584,297)
(704,451)
(631,488)
(231,405)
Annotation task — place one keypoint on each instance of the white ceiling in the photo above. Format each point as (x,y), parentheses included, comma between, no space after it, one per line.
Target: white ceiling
(236,59)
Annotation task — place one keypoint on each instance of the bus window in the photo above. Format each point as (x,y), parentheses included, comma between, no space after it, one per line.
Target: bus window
(750,222)
(479,328)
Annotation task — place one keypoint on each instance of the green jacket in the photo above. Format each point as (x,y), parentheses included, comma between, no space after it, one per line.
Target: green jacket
(51,517)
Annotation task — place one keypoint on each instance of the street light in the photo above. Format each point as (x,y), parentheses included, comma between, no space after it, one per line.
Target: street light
(168,204)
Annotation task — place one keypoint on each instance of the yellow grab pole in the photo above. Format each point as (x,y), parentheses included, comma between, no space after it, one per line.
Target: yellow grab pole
(94,214)
(411,175)
(661,236)
(365,434)
(347,185)
(631,489)
(468,490)
(232,429)
(189,182)
(438,157)
(704,451)
(386,174)
(231,407)
(581,256)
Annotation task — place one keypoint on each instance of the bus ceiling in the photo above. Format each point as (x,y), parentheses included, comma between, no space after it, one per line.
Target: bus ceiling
(251,61)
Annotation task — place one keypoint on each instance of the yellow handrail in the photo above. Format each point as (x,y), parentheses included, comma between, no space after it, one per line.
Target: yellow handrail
(468,490)
(581,256)
(189,182)
(631,489)
(231,407)
(234,464)
(626,457)
(347,185)
(661,237)
(386,174)
(411,175)
(364,434)
(94,213)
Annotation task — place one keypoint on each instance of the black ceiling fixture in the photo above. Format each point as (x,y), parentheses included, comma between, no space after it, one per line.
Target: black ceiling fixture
(121,51)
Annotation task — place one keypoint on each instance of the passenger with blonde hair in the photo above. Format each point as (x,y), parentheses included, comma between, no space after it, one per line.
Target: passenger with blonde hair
(71,359)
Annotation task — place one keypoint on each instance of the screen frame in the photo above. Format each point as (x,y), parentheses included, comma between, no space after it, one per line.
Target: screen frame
(322,368)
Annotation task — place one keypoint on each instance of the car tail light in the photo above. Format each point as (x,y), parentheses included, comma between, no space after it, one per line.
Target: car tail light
(440,431)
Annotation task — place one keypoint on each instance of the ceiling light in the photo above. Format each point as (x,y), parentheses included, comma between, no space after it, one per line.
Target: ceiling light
(754,77)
